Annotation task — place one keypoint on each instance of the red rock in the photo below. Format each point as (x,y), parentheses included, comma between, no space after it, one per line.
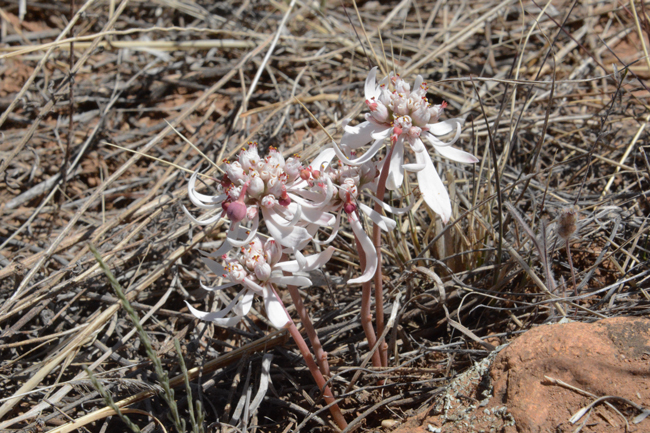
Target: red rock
(610,357)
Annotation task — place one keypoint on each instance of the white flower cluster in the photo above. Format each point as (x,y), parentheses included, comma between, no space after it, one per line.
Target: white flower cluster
(294,200)
(257,267)
(406,117)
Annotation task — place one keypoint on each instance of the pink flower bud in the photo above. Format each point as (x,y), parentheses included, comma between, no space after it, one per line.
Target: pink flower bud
(305,174)
(349,205)
(236,211)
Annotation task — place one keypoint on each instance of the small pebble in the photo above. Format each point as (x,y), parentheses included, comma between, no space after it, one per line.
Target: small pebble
(388,423)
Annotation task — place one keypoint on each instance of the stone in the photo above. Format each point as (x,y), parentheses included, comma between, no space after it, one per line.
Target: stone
(515,389)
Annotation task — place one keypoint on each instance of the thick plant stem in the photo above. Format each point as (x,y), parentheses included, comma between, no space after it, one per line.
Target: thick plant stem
(366,315)
(313,369)
(376,238)
(321,355)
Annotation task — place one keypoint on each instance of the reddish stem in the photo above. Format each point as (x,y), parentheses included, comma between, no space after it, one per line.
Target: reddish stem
(313,369)
(376,238)
(321,355)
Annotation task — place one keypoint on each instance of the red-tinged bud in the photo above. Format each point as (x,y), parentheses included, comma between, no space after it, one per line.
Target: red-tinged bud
(372,104)
(284,200)
(305,174)
(397,131)
(236,211)
(443,105)
(315,173)
(349,205)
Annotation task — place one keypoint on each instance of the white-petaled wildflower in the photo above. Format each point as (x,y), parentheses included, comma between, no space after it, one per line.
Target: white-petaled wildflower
(405,115)
(255,187)
(336,189)
(257,267)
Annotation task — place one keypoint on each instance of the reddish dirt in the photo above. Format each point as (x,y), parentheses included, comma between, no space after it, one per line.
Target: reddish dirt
(606,358)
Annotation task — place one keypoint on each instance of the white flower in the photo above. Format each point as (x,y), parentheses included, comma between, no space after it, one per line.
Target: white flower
(335,189)
(406,117)
(252,185)
(257,268)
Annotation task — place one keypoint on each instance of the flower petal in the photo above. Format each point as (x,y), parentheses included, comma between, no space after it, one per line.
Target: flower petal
(389,208)
(372,151)
(384,223)
(201,200)
(241,306)
(413,168)
(335,231)
(274,309)
(357,136)
(396,172)
(202,222)
(214,289)
(291,237)
(368,249)
(418,82)
(252,233)
(323,158)
(446,126)
(433,190)
(312,262)
(291,280)
(382,134)
(456,154)
(370,88)
(223,249)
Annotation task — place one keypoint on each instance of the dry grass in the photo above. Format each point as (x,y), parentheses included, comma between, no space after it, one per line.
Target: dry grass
(557,116)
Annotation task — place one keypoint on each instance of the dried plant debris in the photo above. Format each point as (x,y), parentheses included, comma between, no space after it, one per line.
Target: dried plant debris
(99,146)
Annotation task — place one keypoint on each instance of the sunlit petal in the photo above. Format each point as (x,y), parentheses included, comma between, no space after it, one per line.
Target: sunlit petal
(292,237)
(456,154)
(359,135)
(312,262)
(368,250)
(213,289)
(323,158)
(389,208)
(292,280)
(386,224)
(432,189)
(396,172)
(335,231)
(202,222)
(275,310)
(252,233)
